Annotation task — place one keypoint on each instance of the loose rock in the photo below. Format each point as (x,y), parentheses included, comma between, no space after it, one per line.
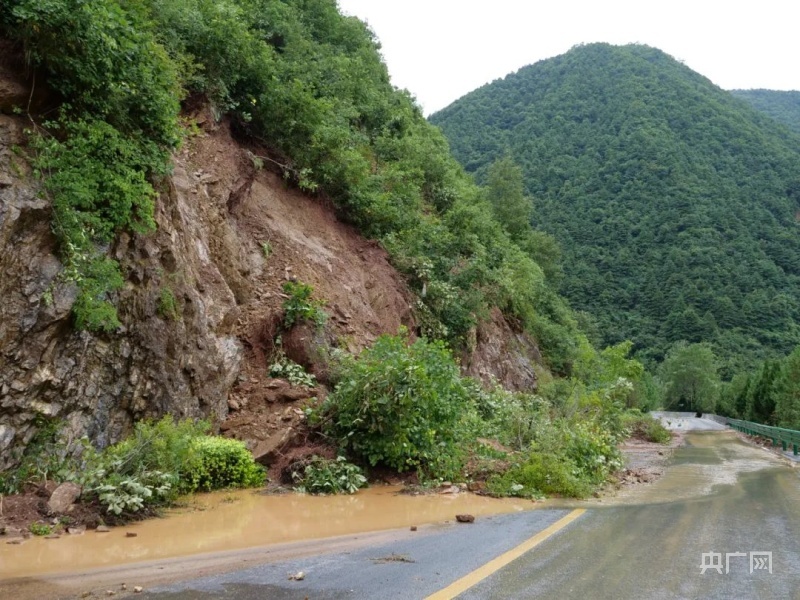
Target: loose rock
(63,497)
(465,518)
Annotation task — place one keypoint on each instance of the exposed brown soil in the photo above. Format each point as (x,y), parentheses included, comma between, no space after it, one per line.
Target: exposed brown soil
(284,235)
(20,511)
(645,462)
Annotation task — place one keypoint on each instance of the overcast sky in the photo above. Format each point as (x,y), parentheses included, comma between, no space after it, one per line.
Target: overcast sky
(441,49)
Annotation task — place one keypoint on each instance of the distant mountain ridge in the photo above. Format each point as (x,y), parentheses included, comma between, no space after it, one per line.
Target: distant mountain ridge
(783,106)
(675,203)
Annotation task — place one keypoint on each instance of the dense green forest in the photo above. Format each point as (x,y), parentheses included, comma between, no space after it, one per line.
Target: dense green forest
(675,203)
(781,106)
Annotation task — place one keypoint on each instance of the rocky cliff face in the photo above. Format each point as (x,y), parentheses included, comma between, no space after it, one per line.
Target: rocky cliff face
(155,364)
(229,235)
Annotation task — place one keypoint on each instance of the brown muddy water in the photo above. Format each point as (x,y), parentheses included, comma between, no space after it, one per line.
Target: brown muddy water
(242,519)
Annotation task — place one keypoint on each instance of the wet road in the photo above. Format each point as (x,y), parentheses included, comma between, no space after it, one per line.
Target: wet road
(736,500)
(720,497)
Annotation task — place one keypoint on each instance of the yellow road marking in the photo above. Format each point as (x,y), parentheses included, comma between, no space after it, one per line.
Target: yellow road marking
(494,565)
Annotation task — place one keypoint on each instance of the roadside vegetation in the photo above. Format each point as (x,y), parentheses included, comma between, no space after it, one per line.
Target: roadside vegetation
(404,405)
(158,463)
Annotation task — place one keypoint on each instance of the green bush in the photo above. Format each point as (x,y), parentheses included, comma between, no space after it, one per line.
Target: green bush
(645,427)
(514,419)
(591,448)
(401,405)
(222,463)
(324,476)
(300,306)
(162,460)
(542,473)
(163,446)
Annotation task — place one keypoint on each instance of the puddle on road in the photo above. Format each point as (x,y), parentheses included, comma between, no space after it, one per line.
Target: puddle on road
(234,520)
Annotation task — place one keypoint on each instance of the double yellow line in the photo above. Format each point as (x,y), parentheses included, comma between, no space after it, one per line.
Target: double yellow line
(494,565)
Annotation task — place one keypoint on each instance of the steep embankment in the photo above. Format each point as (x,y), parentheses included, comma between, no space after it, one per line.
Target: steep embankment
(675,203)
(210,350)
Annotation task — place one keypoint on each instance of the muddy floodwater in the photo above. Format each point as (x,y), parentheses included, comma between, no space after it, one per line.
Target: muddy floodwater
(242,519)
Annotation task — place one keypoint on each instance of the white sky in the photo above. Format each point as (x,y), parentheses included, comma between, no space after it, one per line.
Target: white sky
(441,49)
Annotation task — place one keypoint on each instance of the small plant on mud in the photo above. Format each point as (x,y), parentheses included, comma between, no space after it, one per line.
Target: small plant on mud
(325,476)
(131,494)
(40,529)
(287,369)
(266,249)
(645,427)
(300,306)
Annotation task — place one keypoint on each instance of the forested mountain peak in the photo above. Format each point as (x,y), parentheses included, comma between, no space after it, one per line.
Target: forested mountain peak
(675,202)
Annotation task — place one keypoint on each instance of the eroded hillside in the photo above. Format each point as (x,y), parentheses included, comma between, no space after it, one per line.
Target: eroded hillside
(229,234)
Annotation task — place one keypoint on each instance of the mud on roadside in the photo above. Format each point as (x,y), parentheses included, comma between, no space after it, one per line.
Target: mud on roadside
(644,462)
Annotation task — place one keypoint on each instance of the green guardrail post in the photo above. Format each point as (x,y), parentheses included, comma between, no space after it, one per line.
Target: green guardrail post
(774,442)
(783,444)
(794,447)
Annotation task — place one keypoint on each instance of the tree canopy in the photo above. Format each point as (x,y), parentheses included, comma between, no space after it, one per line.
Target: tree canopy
(675,203)
(782,106)
(689,374)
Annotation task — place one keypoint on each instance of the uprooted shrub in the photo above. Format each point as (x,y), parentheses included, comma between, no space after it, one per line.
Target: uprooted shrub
(564,457)
(326,476)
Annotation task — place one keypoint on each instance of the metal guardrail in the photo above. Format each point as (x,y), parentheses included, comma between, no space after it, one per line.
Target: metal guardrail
(776,434)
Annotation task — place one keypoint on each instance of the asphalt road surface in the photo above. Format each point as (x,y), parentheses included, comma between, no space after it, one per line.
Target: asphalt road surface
(721,498)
